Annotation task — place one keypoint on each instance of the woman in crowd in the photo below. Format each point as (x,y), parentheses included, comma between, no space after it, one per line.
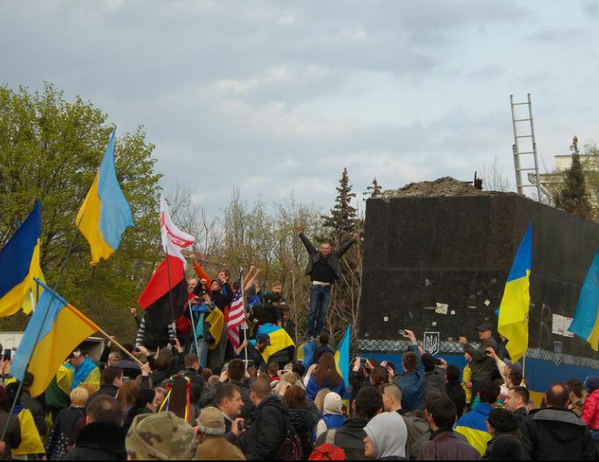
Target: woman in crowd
(303,415)
(325,375)
(61,434)
(332,415)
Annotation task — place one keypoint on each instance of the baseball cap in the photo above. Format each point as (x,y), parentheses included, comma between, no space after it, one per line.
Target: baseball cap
(211,422)
(75,354)
(484,326)
(264,339)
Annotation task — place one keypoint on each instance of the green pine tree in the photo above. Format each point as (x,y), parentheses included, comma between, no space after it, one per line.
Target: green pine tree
(374,190)
(342,220)
(573,197)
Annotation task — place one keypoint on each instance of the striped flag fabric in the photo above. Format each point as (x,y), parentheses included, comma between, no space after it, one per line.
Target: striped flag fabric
(105,213)
(236,314)
(173,239)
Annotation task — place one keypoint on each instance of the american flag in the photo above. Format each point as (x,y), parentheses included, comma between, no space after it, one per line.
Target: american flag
(236,314)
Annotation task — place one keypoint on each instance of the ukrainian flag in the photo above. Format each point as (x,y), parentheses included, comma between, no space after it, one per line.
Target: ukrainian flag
(279,340)
(586,319)
(105,213)
(63,328)
(342,356)
(20,264)
(305,353)
(515,304)
(473,425)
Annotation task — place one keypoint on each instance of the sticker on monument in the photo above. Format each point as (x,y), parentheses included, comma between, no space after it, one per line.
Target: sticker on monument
(442,308)
(432,342)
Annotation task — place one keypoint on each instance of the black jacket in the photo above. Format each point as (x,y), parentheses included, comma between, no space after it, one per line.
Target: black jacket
(315,255)
(556,434)
(266,430)
(99,441)
(320,350)
(304,423)
(350,438)
(62,432)
(109,390)
(37,410)
(456,393)
(434,381)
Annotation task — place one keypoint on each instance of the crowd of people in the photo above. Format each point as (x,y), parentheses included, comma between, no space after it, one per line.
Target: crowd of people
(169,395)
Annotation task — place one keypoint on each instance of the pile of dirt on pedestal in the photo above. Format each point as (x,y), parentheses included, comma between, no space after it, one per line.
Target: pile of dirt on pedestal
(446,186)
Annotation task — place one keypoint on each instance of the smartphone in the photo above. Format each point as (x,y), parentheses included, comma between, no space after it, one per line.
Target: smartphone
(438,362)
(402,332)
(241,426)
(7,354)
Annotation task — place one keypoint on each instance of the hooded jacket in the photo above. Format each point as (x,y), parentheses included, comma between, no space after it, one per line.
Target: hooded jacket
(332,414)
(556,433)
(304,422)
(388,433)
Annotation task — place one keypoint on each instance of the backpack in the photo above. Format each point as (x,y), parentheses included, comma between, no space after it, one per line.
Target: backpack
(291,448)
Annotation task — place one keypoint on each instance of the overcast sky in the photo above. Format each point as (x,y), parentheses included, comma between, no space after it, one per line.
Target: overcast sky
(277,97)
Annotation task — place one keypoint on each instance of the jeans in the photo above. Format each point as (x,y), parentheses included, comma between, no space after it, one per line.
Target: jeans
(203,353)
(319,304)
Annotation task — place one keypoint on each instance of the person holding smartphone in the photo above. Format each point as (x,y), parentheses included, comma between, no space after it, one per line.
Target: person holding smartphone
(482,364)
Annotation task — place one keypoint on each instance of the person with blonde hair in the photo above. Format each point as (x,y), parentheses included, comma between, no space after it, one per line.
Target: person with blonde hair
(61,434)
(320,397)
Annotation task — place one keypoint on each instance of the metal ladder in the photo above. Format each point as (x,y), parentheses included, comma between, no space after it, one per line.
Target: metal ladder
(525,145)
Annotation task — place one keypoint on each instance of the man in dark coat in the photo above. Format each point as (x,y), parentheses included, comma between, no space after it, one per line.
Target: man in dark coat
(266,430)
(324,269)
(482,364)
(444,443)
(112,379)
(102,438)
(556,433)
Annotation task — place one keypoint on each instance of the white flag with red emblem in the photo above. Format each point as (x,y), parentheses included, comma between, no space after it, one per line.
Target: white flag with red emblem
(173,239)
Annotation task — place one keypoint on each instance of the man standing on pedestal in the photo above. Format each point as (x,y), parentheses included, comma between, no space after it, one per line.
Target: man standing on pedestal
(323,268)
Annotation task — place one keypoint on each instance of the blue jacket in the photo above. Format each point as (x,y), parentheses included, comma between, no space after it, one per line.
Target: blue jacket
(413,385)
(313,388)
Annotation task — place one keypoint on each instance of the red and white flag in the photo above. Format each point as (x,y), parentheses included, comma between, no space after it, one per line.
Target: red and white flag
(173,239)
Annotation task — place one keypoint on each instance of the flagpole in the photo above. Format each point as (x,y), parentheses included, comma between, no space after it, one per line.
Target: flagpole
(193,329)
(170,289)
(122,348)
(245,331)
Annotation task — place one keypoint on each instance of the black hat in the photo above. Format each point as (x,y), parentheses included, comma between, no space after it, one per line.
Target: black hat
(484,326)
(264,339)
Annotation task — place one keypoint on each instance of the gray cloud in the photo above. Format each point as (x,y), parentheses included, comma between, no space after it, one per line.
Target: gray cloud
(277,97)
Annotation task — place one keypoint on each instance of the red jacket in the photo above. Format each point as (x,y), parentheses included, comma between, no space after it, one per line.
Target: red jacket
(590,411)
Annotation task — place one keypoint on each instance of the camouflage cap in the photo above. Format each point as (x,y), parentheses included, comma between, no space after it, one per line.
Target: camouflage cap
(162,436)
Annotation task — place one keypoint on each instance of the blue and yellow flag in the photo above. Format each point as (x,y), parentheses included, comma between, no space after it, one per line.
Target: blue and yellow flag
(279,340)
(305,353)
(515,304)
(105,213)
(63,329)
(342,356)
(20,264)
(586,319)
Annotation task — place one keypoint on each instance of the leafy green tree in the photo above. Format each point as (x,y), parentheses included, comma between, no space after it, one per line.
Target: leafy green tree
(50,150)
(573,197)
